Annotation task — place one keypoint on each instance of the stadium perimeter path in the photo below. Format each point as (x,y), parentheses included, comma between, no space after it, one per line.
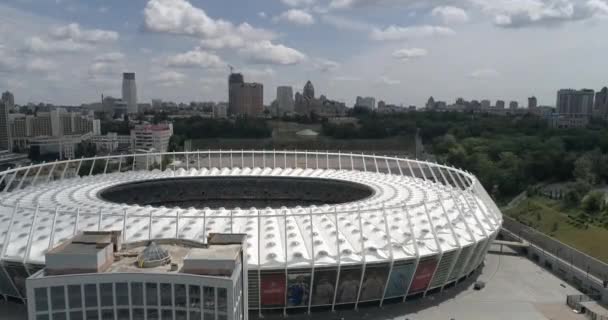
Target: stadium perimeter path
(515,288)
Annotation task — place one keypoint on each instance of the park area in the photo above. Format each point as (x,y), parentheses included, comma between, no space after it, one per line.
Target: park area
(585,232)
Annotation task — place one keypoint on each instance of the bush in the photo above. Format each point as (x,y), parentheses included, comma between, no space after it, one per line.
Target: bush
(593,202)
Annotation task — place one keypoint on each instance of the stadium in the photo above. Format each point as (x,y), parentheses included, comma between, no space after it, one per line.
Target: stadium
(324,229)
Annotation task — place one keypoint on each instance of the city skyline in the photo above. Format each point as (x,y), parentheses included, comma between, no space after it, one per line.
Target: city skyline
(70,52)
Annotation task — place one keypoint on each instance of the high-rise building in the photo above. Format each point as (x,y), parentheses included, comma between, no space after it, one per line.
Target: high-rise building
(285,102)
(366,102)
(248,99)
(129,92)
(9,99)
(513,105)
(430,104)
(5,139)
(235,81)
(600,108)
(309,90)
(532,103)
(485,104)
(575,102)
(500,104)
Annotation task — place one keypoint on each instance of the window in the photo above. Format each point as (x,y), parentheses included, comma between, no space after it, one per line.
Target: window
(167,314)
(151,294)
(138,314)
(107,294)
(58,298)
(90,296)
(180,295)
(122,293)
(195,297)
(76,315)
(222,299)
(166,294)
(42,302)
(181,315)
(42,317)
(59,315)
(209,298)
(137,294)
(152,314)
(194,315)
(92,315)
(123,314)
(74,297)
(107,314)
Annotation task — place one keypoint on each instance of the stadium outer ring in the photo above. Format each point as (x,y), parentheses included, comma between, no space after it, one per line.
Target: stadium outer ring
(424,245)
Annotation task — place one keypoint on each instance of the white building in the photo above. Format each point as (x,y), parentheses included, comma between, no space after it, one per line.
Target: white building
(220,111)
(285,101)
(95,276)
(129,92)
(366,102)
(485,104)
(147,137)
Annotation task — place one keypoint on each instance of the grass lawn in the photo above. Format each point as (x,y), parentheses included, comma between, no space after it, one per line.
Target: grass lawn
(550,217)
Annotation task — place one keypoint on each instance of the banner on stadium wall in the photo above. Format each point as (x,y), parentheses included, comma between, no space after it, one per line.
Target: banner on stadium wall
(423,276)
(324,287)
(399,280)
(273,290)
(298,290)
(373,283)
(348,289)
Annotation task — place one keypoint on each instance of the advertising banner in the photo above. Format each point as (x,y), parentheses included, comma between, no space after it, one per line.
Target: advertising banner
(399,280)
(273,290)
(373,283)
(348,288)
(324,287)
(423,276)
(298,290)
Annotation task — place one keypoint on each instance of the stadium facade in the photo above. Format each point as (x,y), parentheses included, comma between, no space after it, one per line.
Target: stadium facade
(323,229)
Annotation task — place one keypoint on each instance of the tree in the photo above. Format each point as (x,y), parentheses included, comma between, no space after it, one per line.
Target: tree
(583,170)
(593,202)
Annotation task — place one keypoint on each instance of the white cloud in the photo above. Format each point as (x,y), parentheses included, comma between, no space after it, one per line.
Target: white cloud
(110,57)
(486,73)
(529,13)
(385,80)
(295,16)
(346,78)
(599,6)
(180,17)
(73,32)
(169,78)
(402,33)
(262,14)
(196,58)
(407,54)
(325,65)
(41,45)
(253,73)
(101,69)
(39,65)
(103,9)
(266,52)
(298,3)
(345,23)
(450,15)
(8,62)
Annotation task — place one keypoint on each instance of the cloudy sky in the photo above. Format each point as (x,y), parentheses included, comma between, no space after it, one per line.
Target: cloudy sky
(402,51)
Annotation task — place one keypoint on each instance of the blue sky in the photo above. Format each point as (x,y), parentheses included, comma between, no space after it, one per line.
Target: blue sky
(402,51)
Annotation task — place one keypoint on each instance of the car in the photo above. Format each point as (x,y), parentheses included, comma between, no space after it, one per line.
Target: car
(479,285)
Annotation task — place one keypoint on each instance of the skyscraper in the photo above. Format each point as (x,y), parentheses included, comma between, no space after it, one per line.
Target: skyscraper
(532,103)
(309,90)
(500,104)
(4,133)
(575,102)
(285,100)
(9,99)
(513,105)
(368,103)
(600,108)
(129,92)
(235,81)
(248,99)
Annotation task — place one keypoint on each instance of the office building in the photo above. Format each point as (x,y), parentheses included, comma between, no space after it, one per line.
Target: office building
(575,102)
(94,275)
(9,99)
(368,103)
(307,103)
(485,104)
(532,103)
(129,92)
(500,104)
(244,98)
(513,105)
(600,107)
(285,102)
(148,136)
(5,137)
(220,110)
(114,108)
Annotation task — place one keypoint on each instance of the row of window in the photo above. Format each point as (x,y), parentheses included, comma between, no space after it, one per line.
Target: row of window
(137,314)
(131,294)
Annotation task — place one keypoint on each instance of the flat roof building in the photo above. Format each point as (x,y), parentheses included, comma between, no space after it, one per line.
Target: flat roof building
(95,276)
